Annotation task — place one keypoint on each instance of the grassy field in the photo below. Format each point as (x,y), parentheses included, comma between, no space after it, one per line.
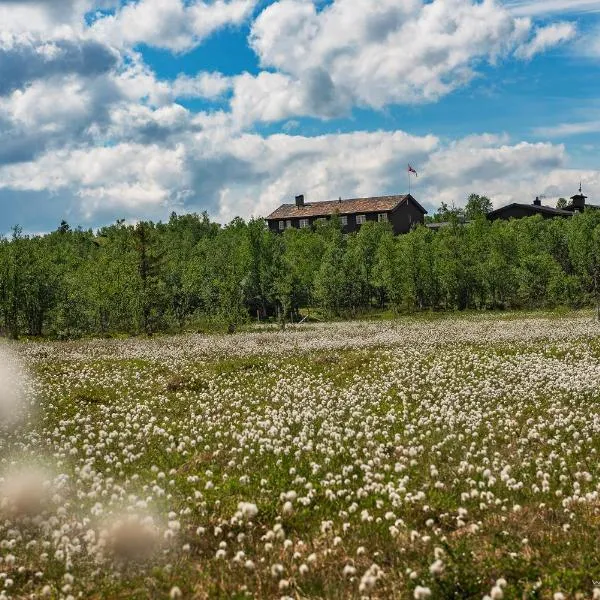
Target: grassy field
(400,459)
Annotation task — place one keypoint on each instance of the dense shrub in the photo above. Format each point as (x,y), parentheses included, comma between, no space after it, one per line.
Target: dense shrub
(167,276)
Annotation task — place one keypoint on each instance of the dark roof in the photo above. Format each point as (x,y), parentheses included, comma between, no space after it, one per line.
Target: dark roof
(579,196)
(533,209)
(343,207)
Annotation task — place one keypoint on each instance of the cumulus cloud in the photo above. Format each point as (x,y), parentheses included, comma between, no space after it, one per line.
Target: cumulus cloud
(479,159)
(357,52)
(141,124)
(55,113)
(24,59)
(97,168)
(231,173)
(172,24)
(491,165)
(203,85)
(276,96)
(84,117)
(48,17)
(56,85)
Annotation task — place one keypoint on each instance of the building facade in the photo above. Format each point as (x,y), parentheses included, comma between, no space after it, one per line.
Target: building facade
(403,213)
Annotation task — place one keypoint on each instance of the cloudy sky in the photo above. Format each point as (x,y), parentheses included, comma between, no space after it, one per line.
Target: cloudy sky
(132,109)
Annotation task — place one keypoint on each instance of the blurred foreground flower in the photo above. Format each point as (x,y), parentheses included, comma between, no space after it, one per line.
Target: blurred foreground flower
(24,491)
(12,379)
(128,538)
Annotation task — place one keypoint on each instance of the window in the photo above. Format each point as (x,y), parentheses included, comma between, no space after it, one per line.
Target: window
(360,219)
(288,224)
(304,223)
(382,217)
(281,225)
(344,220)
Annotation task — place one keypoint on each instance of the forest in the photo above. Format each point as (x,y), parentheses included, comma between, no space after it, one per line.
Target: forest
(191,274)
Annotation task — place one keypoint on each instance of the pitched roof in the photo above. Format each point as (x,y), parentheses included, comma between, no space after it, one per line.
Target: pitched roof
(343,207)
(533,209)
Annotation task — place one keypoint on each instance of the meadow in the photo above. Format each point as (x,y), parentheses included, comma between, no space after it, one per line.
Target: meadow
(454,458)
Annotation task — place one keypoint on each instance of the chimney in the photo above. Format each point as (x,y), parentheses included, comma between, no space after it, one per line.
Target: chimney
(537,201)
(300,201)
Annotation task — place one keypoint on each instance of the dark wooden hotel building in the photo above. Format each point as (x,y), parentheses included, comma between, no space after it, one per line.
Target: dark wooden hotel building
(517,210)
(402,212)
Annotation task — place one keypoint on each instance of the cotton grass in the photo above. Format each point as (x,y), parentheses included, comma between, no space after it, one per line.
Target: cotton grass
(343,461)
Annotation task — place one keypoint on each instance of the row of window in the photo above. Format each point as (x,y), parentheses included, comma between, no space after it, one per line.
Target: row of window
(360,219)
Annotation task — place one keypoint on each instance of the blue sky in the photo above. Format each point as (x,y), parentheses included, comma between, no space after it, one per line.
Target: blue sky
(134,109)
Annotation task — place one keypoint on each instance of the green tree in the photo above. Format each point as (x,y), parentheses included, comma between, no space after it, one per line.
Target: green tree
(477,206)
(500,266)
(13,291)
(389,276)
(447,213)
(151,287)
(331,278)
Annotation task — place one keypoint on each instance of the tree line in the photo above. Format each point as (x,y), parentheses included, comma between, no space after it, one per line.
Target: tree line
(191,273)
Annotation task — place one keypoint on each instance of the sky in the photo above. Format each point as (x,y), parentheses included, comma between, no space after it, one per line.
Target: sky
(113,109)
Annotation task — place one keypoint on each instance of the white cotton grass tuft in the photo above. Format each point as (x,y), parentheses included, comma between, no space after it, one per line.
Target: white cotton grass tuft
(422,593)
(24,491)
(496,593)
(370,578)
(437,567)
(12,382)
(247,510)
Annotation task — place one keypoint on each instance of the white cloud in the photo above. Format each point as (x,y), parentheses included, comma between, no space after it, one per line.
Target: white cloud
(141,124)
(26,58)
(133,198)
(357,52)
(36,17)
(51,18)
(172,24)
(277,96)
(114,139)
(568,129)
(48,106)
(547,37)
(203,85)
(132,178)
(536,8)
(491,165)
(245,174)
(62,111)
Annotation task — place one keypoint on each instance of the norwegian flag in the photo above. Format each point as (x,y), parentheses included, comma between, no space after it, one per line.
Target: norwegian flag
(411,170)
